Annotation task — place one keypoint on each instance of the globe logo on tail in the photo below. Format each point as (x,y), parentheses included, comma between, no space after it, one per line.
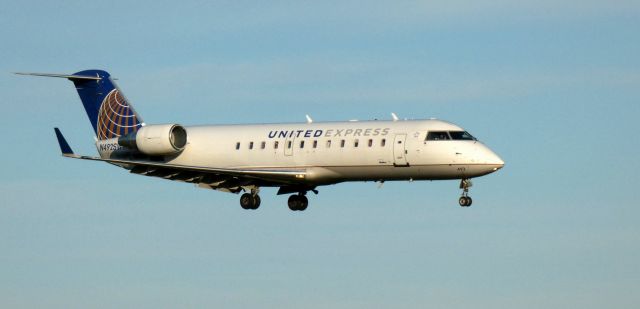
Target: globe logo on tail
(116,117)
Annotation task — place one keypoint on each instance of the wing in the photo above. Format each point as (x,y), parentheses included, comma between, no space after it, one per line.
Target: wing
(231,180)
(223,179)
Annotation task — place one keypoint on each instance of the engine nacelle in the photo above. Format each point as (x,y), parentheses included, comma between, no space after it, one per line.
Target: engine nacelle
(156,140)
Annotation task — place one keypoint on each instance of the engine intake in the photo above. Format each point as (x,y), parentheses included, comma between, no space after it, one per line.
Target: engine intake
(156,140)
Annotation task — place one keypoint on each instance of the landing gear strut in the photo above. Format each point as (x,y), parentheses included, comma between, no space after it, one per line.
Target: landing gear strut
(298,202)
(250,200)
(465,200)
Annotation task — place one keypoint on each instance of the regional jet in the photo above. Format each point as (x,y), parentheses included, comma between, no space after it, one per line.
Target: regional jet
(296,158)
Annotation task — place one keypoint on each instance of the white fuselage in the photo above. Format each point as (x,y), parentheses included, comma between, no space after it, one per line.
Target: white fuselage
(332,152)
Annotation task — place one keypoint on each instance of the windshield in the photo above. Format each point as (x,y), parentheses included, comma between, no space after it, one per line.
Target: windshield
(449,135)
(437,136)
(461,135)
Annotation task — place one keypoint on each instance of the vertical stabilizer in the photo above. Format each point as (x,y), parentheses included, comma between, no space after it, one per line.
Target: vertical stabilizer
(109,111)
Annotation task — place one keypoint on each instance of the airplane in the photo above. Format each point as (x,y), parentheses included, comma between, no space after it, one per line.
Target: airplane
(297,158)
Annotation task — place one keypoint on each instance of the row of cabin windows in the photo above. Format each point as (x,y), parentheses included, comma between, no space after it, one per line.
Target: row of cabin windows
(289,145)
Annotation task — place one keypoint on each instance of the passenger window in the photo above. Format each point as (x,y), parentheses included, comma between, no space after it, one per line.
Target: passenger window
(250,145)
(342,144)
(315,144)
(275,145)
(263,145)
(383,142)
(355,144)
(461,135)
(370,142)
(238,146)
(437,136)
(301,144)
(329,144)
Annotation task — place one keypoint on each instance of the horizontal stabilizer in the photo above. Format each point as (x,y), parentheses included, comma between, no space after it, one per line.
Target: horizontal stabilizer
(64,146)
(71,77)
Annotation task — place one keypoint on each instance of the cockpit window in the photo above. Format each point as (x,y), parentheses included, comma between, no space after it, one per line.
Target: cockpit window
(437,136)
(450,135)
(461,135)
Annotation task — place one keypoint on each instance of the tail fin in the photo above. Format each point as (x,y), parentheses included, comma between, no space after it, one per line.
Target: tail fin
(109,111)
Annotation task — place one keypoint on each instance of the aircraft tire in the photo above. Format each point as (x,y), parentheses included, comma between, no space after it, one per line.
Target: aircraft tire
(293,202)
(298,202)
(465,201)
(246,201)
(303,202)
(256,201)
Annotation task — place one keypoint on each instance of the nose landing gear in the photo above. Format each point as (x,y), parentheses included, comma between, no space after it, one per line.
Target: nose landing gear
(465,200)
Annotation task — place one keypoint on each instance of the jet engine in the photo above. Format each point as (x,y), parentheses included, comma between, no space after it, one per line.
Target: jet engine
(156,140)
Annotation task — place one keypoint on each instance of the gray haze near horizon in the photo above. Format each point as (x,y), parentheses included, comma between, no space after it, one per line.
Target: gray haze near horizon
(552,87)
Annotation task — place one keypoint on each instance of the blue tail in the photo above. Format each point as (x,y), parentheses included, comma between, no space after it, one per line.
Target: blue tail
(110,113)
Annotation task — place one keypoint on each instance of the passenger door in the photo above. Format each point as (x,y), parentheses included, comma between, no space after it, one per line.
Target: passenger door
(400,151)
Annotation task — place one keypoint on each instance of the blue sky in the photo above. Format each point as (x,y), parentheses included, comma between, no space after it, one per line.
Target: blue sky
(552,87)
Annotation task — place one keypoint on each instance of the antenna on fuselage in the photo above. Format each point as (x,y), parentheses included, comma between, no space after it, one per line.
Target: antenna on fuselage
(394,117)
(309,120)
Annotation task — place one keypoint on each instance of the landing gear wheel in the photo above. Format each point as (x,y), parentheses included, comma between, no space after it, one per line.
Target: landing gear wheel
(298,202)
(246,201)
(462,201)
(293,202)
(256,202)
(465,201)
(304,202)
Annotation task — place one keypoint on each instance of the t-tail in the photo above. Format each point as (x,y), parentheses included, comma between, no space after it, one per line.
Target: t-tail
(119,130)
(110,113)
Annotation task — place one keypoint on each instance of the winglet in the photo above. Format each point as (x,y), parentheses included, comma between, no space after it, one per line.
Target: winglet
(64,146)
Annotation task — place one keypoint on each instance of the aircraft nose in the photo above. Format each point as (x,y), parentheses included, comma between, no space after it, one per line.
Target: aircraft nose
(491,158)
(495,161)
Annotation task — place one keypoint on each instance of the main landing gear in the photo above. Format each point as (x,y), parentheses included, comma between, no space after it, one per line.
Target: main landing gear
(465,200)
(298,202)
(250,200)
